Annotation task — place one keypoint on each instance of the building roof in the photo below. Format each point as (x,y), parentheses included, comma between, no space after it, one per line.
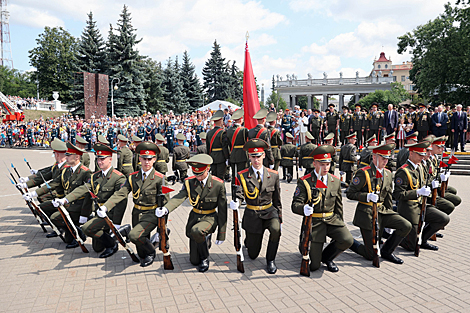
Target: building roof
(382,58)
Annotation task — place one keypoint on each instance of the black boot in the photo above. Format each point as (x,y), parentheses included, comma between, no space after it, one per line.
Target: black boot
(355,246)
(124,230)
(328,255)
(390,245)
(271,256)
(203,251)
(427,233)
(147,253)
(110,244)
(97,245)
(52,235)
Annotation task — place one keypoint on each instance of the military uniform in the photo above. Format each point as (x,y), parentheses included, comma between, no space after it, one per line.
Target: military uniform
(141,132)
(288,153)
(327,217)
(276,143)
(180,154)
(217,147)
(110,137)
(365,182)
(347,159)
(161,164)
(344,126)
(392,162)
(305,157)
(286,125)
(237,136)
(135,159)
(88,138)
(103,141)
(85,158)
(331,122)
(170,134)
(374,123)
(29,134)
(358,125)
(73,136)
(314,127)
(202,148)
(124,160)
(10,136)
(366,153)
(422,122)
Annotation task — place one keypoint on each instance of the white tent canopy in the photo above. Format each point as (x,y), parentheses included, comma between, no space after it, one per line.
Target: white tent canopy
(214,106)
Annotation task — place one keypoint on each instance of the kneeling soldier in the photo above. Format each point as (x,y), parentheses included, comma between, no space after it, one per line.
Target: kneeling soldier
(206,193)
(366,181)
(327,214)
(259,187)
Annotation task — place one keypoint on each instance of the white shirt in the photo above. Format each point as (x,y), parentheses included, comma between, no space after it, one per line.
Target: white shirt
(414,165)
(325,178)
(74,168)
(147,174)
(61,164)
(303,121)
(260,172)
(204,181)
(106,172)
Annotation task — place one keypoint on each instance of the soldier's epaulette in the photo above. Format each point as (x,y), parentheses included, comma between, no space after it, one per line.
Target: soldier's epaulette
(83,167)
(334,176)
(115,171)
(218,179)
(66,166)
(159,174)
(404,165)
(306,176)
(365,168)
(134,173)
(191,177)
(244,171)
(272,171)
(388,170)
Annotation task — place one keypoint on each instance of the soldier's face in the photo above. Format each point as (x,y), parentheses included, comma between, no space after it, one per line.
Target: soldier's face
(257,161)
(146,163)
(72,159)
(104,163)
(203,175)
(379,161)
(437,150)
(59,157)
(322,168)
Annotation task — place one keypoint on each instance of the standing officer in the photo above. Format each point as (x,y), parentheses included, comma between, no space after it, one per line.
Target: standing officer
(136,165)
(199,129)
(259,187)
(82,143)
(53,132)
(410,187)
(324,190)
(103,184)
(366,153)
(344,124)
(170,134)
(206,194)
(422,122)
(358,124)
(217,145)
(73,135)
(237,136)
(288,153)
(180,154)
(366,183)
(305,157)
(10,135)
(275,139)
(348,157)
(141,131)
(202,148)
(260,132)
(110,136)
(124,156)
(286,123)
(29,134)
(375,120)
(88,137)
(314,126)
(145,185)
(161,164)
(334,157)
(332,122)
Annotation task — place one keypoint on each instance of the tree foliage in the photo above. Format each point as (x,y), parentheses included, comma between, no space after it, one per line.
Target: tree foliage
(279,102)
(441,58)
(383,98)
(154,86)
(191,85)
(175,98)
(14,83)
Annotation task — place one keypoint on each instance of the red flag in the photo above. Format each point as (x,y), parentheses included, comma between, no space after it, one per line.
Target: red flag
(452,161)
(320,184)
(361,147)
(166,189)
(453,158)
(445,154)
(442,164)
(250,94)
(378,174)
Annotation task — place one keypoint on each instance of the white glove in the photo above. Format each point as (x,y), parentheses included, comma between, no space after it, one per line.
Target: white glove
(308,210)
(341,173)
(271,166)
(424,191)
(117,226)
(443,177)
(226,162)
(101,212)
(234,205)
(300,169)
(219,242)
(372,197)
(28,196)
(22,185)
(83,220)
(435,184)
(358,157)
(33,172)
(159,212)
(448,175)
(24,179)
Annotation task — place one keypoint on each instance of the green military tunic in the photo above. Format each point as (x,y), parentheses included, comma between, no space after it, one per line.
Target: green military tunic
(288,153)
(331,120)
(85,159)
(358,124)
(263,133)
(422,123)
(374,123)
(276,143)
(217,148)
(450,200)
(402,157)
(201,149)
(315,125)
(49,173)
(344,126)
(180,154)
(124,161)
(347,160)
(305,159)
(161,163)
(238,156)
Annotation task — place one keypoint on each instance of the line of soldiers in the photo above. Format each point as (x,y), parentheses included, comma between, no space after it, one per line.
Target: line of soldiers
(318,194)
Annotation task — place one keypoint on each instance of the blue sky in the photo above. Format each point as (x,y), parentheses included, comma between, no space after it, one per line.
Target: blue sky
(286,37)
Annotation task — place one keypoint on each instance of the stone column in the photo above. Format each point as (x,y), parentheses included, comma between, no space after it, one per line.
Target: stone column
(309,102)
(341,101)
(325,102)
(356,98)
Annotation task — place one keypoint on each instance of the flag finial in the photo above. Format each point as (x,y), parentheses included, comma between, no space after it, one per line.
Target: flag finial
(247,35)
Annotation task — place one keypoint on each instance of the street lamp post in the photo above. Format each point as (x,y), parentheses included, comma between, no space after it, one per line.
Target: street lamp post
(113,87)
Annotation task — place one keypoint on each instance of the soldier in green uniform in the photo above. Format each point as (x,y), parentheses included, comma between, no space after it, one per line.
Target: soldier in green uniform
(348,157)
(110,136)
(124,156)
(88,137)
(374,122)
(161,164)
(334,157)
(29,135)
(305,157)
(332,122)
(344,124)
(259,187)
(103,141)
(403,154)
(103,184)
(392,162)
(206,194)
(217,145)
(275,139)
(237,136)
(358,124)
(145,185)
(202,148)
(71,177)
(136,165)
(374,184)
(10,135)
(180,154)
(422,122)
(82,143)
(324,190)
(288,153)
(366,153)
(286,123)
(141,131)
(260,132)
(410,187)
(314,126)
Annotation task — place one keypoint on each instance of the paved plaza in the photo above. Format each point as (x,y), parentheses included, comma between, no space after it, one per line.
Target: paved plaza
(38,275)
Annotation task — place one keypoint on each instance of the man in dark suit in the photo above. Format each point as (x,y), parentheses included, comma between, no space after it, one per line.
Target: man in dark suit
(391,120)
(459,128)
(439,122)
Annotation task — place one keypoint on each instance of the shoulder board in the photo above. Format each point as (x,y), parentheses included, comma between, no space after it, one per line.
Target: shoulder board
(388,170)
(306,176)
(404,165)
(159,174)
(115,171)
(334,176)
(191,177)
(66,166)
(365,168)
(244,171)
(272,171)
(218,179)
(134,173)
(83,167)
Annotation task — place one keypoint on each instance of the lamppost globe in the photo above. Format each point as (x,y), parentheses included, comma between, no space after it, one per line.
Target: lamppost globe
(116,87)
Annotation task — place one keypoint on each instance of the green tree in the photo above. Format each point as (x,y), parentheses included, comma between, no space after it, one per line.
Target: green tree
(154,86)
(53,59)
(216,80)
(279,102)
(441,62)
(235,83)
(124,62)
(175,98)
(191,85)
(15,83)
(383,98)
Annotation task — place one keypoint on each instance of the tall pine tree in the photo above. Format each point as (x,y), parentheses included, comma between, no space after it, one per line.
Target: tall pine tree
(175,98)
(154,86)
(90,57)
(125,63)
(236,83)
(191,85)
(216,79)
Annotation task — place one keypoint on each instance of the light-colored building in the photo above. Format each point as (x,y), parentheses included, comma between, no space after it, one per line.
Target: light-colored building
(383,67)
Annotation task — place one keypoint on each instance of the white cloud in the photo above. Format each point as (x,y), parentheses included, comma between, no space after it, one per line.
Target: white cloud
(33,17)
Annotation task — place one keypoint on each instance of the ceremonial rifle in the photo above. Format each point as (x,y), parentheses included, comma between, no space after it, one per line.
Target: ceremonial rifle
(419,231)
(167,263)
(113,228)
(452,160)
(434,195)
(375,225)
(306,230)
(236,228)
